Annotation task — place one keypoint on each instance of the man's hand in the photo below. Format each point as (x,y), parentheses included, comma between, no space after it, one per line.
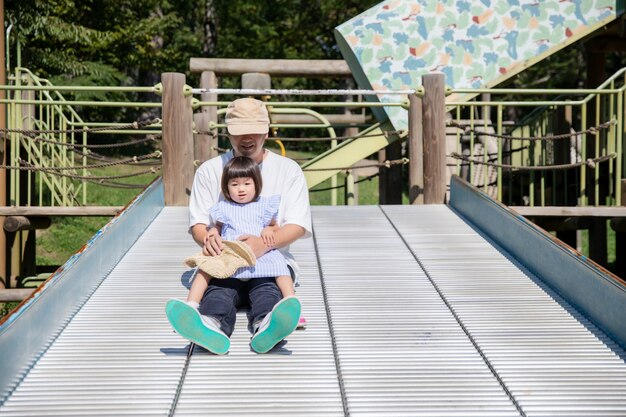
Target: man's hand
(283,236)
(256,244)
(212,243)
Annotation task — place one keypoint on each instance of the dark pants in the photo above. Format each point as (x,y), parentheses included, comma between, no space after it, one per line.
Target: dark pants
(223,297)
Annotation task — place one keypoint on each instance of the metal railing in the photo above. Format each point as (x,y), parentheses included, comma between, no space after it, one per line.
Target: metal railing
(566,151)
(566,147)
(48,148)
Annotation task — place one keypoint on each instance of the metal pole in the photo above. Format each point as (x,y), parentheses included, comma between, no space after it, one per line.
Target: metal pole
(3,153)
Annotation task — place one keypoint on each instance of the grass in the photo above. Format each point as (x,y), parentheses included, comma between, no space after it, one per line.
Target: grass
(610,243)
(68,234)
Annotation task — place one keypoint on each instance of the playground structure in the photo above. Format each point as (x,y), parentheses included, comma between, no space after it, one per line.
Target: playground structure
(470,308)
(580,132)
(510,268)
(469,330)
(567,153)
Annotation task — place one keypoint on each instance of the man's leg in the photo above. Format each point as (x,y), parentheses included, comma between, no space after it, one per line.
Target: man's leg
(271,317)
(220,302)
(263,294)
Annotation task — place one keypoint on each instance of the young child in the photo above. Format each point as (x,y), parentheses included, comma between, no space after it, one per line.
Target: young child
(242,212)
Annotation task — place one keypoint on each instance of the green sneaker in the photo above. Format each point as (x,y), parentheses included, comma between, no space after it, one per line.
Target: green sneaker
(278,324)
(201,330)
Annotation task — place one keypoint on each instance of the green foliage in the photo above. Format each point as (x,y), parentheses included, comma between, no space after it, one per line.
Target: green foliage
(106,40)
(92,39)
(282,28)
(5,308)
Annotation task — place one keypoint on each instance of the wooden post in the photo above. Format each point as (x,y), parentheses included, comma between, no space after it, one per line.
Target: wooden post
(597,241)
(390,179)
(256,81)
(564,195)
(205,144)
(349,188)
(15,294)
(177,140)
(434,137)
(416,151)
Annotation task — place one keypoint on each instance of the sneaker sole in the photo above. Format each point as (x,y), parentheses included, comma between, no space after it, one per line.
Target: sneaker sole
(187,323)
(283,322)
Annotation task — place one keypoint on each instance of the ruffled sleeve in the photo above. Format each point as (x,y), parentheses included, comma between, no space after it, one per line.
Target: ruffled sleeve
(217,213)
(271,209)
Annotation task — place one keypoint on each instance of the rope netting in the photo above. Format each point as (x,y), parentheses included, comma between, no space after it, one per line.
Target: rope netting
(35,136)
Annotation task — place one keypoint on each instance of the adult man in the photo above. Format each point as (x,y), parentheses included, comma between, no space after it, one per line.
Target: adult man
(271,319)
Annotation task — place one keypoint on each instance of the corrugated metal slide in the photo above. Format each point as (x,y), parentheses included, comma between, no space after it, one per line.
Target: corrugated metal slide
(411,312)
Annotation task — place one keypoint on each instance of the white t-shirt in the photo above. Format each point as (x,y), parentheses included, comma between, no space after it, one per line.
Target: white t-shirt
(281,176)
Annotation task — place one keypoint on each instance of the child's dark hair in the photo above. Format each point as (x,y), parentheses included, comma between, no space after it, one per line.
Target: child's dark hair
(242,167)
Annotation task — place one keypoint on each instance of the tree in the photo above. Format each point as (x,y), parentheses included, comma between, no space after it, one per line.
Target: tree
(71,41)
(131,42)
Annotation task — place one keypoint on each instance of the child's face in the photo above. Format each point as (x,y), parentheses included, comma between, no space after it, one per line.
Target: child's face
(241,190)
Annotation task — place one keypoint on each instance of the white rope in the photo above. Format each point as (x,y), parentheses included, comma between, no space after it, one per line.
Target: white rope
(270,92)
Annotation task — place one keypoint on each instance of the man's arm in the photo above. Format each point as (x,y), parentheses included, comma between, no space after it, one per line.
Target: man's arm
(284,236)
(199,232)
(208,238)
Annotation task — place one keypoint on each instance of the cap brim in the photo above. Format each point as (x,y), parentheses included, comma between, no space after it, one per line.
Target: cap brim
(248,129)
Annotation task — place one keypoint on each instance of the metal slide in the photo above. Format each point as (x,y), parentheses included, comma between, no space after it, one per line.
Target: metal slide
(411,312)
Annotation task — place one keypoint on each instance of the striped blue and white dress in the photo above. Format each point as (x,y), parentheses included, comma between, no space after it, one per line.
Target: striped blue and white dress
(250,219)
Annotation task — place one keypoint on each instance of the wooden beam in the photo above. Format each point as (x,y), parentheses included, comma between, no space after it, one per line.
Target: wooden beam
(88,211)
(570,211)
(18,223)
(15,294)
(343,119)
(273,67)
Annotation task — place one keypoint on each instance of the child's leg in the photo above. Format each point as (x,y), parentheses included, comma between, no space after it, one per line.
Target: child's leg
(198,287)
(285,284)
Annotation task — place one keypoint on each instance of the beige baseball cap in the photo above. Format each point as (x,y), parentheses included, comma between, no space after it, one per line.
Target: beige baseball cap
(247,116)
